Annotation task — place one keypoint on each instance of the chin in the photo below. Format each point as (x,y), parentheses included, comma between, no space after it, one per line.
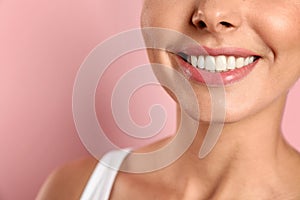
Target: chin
(241,113)
(226,114)
(234,117)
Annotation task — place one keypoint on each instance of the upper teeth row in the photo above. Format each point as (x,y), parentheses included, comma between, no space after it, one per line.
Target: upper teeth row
(219,63)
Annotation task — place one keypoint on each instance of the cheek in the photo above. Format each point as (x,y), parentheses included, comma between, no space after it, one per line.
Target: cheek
(173,14)
(279,25)
(285,36)
(148,13)
(279,28)
(153,13)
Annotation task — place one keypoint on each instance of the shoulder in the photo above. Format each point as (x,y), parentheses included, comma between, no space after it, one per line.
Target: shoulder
(68,181)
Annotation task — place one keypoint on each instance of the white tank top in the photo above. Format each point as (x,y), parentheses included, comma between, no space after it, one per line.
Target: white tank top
(101,181)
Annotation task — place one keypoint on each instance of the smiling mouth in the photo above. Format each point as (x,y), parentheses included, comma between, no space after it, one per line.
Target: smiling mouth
(220,63)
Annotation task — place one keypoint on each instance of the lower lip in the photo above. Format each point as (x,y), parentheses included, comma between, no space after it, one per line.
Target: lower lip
(215,78)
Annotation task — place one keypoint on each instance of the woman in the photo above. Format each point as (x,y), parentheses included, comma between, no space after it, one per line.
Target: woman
(254,46)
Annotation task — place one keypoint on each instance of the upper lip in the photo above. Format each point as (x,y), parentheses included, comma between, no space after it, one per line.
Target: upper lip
(224,51)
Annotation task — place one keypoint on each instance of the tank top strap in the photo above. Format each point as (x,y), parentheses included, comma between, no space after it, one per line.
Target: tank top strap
(102,179)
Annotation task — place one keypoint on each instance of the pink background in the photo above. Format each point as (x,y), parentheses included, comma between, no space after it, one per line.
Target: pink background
(42,44)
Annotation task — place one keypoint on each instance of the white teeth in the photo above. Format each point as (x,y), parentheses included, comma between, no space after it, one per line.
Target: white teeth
(231,62)
(219,63)
(194,61)
(201,62)
(246,61)
(240,62)
(210,63)
(251,59)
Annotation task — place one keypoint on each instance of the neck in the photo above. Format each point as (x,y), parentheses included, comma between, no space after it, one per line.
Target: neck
(250,151)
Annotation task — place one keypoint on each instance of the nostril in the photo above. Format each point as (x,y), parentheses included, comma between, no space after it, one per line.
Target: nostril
(226,24)
(202,24)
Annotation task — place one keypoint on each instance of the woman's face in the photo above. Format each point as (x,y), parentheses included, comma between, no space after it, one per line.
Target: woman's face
(254,43)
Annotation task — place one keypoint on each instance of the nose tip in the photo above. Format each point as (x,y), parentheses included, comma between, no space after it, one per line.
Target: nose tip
(216,19)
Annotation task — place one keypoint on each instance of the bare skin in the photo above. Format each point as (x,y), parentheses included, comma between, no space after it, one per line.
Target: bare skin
(241,166)
(252,160)
(68,181)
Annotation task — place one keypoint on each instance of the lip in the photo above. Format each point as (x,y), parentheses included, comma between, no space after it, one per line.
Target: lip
(228,51)
(216,78)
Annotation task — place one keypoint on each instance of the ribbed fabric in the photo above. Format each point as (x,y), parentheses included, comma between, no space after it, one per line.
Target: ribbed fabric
(101,181)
